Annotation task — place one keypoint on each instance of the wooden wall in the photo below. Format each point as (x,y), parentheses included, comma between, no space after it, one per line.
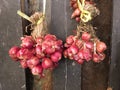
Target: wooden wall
(12,77)
(69,75)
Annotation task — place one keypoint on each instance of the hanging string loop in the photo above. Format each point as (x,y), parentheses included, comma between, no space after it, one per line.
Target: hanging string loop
(85,15)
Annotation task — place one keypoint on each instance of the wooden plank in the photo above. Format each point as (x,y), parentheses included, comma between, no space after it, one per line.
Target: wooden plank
(24,8)
(73,68)
(95,76)
(57,28)
(114,81)
(12,76)
(68,74)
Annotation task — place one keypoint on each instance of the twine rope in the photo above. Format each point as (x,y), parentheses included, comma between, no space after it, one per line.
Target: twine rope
(41,19)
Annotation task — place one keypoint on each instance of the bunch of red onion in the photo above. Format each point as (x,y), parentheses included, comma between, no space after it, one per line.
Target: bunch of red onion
(84,48)
(89,6)
(39,54)
(76,12)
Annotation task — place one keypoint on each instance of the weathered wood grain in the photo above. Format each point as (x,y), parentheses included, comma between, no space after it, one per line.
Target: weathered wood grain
(95,76)
(68,74)
(12,76)
(114,81)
